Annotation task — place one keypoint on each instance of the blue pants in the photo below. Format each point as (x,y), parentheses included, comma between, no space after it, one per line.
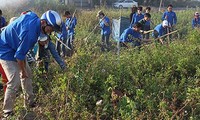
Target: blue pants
(60,46)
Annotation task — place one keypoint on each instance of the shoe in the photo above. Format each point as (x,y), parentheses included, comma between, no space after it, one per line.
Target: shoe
(7,115)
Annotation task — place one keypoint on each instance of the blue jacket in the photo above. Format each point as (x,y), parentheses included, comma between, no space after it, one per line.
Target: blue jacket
(63,34)
(71,24)
(170,17)
(2,22)
(136,18)
(105,30)
(19,36)
(129,35)
(160,29)
(195,22)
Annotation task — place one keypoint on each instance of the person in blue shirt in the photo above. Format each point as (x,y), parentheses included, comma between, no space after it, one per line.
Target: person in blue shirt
(196,21)
(104,23)
(146,24)
(160,30)
(137,16)
(63,37)
(131,35)
(70,24)
(15,41)
(2,20)
(170,16)
(133,11)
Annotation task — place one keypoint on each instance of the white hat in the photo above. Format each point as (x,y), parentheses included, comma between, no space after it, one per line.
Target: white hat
(12,19)
(99,13)
(165,23)
(196,14)
(42,37)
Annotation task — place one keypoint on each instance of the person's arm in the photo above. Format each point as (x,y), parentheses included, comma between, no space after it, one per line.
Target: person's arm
(193,23)
(160,33)
(106,21)
(22,66)
(163,16)
(133,19)
(26,43)
(175,19)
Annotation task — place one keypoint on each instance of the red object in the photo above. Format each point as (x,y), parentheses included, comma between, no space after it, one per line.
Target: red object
(4,78)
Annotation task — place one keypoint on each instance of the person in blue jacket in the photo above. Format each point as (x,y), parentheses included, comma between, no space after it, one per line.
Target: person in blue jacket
(2,20)
(70,24)
(196,21)
(170,16)
(131,35)
(63,37)
(104,23)
(15,41)
(137,16)
(160,30)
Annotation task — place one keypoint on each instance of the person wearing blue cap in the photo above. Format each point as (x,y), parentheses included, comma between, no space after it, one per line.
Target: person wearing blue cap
(15,41)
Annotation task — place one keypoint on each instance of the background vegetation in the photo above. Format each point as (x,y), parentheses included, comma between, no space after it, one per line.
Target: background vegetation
(157,82)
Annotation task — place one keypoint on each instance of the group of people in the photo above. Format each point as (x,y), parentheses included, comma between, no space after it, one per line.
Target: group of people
(18,38)
(141,22)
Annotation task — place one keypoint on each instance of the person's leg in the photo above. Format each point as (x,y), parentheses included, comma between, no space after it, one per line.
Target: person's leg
(107,41)
(27,88)
(58,47)
(64,48)
(55,55)
(12,72)
(102,42)
(147,28)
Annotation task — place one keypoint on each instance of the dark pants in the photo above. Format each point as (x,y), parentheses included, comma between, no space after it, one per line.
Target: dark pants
(105,42)
(60,47)
(146,28)
(69,43)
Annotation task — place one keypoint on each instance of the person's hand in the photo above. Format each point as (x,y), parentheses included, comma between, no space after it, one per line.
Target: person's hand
(24,74)
(174,26)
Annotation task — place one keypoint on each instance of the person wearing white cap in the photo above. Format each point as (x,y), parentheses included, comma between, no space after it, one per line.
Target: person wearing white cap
(15,42)
(160,30)
(196,20)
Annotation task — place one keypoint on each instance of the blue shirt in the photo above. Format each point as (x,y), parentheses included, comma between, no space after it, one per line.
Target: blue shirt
(63,34)
(2,22)
(160,29)
(19,36)
(136,18)
(195,22)
(129,34)
(71,24)
(105,30)
(170,17)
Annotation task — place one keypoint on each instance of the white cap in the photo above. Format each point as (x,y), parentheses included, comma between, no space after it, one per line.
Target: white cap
(165,23)
(42,37)
(196,14)
(12,19)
